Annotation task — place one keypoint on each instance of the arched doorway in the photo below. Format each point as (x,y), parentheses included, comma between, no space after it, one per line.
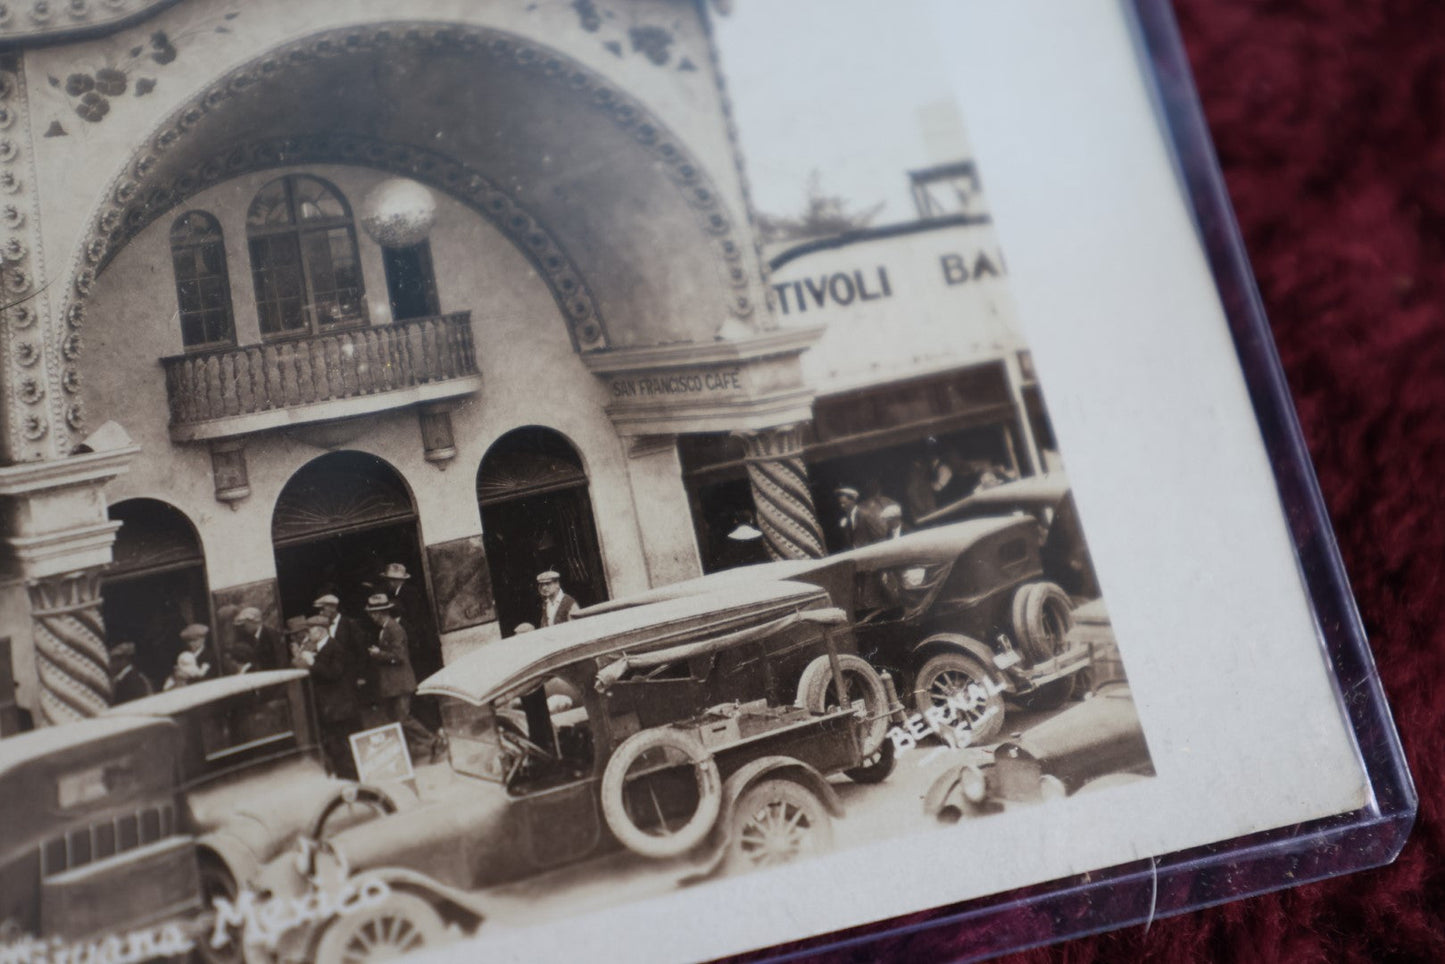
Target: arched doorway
(537,515)
(157,584)
(338,523)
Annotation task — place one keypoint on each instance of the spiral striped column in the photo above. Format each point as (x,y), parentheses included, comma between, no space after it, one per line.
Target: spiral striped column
(70,653)
(781,497)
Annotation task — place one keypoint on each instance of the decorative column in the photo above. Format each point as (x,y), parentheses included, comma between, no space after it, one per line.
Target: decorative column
(58,539)
(70,654)
(780,492)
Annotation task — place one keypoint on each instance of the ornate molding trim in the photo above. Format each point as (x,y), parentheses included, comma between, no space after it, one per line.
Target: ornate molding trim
(35,386)
(132,203)
(50,20)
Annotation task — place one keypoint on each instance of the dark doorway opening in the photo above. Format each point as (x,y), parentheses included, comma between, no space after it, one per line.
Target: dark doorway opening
(537,516)
(156,585)
(411,281)
(339,522)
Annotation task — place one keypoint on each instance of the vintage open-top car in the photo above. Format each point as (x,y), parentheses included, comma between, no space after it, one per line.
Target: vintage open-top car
(250,769)
(91,843)
(667,732)
(959,609)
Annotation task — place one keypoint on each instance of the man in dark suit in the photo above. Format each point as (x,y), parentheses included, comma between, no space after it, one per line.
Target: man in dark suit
(394,680)
(256,646)
(335,679)
(126,682)
(557,606)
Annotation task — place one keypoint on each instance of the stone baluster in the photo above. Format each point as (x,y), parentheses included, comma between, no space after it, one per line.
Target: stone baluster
(322,366)
(214,404)
(784,504)
(286,362)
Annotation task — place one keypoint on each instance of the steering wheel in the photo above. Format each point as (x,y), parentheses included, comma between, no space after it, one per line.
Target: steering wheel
(509,734)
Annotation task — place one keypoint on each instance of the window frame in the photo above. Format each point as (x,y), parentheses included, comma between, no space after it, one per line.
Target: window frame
(224,277)
(298,230)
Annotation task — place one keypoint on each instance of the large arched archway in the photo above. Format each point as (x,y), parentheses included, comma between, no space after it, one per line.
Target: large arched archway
(536,510)
(376,95)
(157,584)
(338,523)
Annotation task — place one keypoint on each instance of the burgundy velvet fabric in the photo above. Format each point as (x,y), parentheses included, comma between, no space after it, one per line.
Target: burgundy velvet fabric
(1329,120)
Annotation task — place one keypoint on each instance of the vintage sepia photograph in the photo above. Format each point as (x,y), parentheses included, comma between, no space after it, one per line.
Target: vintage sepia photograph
(470,465)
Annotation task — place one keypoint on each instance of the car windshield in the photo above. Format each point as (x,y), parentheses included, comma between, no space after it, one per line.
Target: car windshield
(473,745)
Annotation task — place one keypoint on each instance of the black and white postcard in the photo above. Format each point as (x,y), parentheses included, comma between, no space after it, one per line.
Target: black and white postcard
(725,471)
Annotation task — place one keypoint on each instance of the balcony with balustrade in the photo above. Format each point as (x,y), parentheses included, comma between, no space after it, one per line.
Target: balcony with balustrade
(234,392)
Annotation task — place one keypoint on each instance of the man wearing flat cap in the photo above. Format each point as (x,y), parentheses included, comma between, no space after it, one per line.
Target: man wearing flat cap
(126,682)
(334,680)
(557,606)
(255,646)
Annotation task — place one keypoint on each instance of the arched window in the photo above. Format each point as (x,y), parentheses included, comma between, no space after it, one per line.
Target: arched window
(303,257)
(203,288)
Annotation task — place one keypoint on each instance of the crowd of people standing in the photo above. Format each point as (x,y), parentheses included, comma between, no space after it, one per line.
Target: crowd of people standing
(360,668)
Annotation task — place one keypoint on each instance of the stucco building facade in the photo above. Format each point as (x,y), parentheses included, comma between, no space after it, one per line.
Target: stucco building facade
(297,291)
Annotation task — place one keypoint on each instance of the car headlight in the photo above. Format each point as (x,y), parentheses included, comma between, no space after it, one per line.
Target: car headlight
(973,785)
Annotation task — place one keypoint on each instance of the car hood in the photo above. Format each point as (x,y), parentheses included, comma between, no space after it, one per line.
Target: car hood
(265,808)
(445,837)
(1101,735)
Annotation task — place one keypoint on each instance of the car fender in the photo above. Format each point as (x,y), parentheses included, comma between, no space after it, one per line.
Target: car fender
(794,769)
(455,906)
(233,853)
(707,860)
(956,642)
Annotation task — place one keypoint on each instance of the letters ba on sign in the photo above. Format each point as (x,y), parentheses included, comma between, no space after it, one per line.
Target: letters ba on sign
(900,270)
(719,382)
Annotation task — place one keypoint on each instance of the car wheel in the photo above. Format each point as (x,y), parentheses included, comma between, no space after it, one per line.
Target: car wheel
(1042,616)
(401,924)
(876,768)
(658,750)
(776,822)
(817,693)
(217,883)
(959,680)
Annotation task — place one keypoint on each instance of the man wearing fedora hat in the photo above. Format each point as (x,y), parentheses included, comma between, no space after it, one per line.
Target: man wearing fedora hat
(557,606)
(394,680)
(410,609)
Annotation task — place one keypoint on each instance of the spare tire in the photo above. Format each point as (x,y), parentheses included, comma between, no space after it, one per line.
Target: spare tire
(667,842)
(1042,616)
(816,693)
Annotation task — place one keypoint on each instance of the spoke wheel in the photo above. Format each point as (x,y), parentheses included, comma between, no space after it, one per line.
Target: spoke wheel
(402,924)
(776,822)
(960,681)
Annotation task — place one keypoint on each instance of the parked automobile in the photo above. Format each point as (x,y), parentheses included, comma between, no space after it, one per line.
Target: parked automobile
(664,732)
(251,772)
(959,609)
(91,844)
(1050,500)
(1096,744)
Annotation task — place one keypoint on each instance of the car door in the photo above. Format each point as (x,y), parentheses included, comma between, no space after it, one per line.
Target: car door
(561,823)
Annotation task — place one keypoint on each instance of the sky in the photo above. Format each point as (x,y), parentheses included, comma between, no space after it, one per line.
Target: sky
(844,87)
